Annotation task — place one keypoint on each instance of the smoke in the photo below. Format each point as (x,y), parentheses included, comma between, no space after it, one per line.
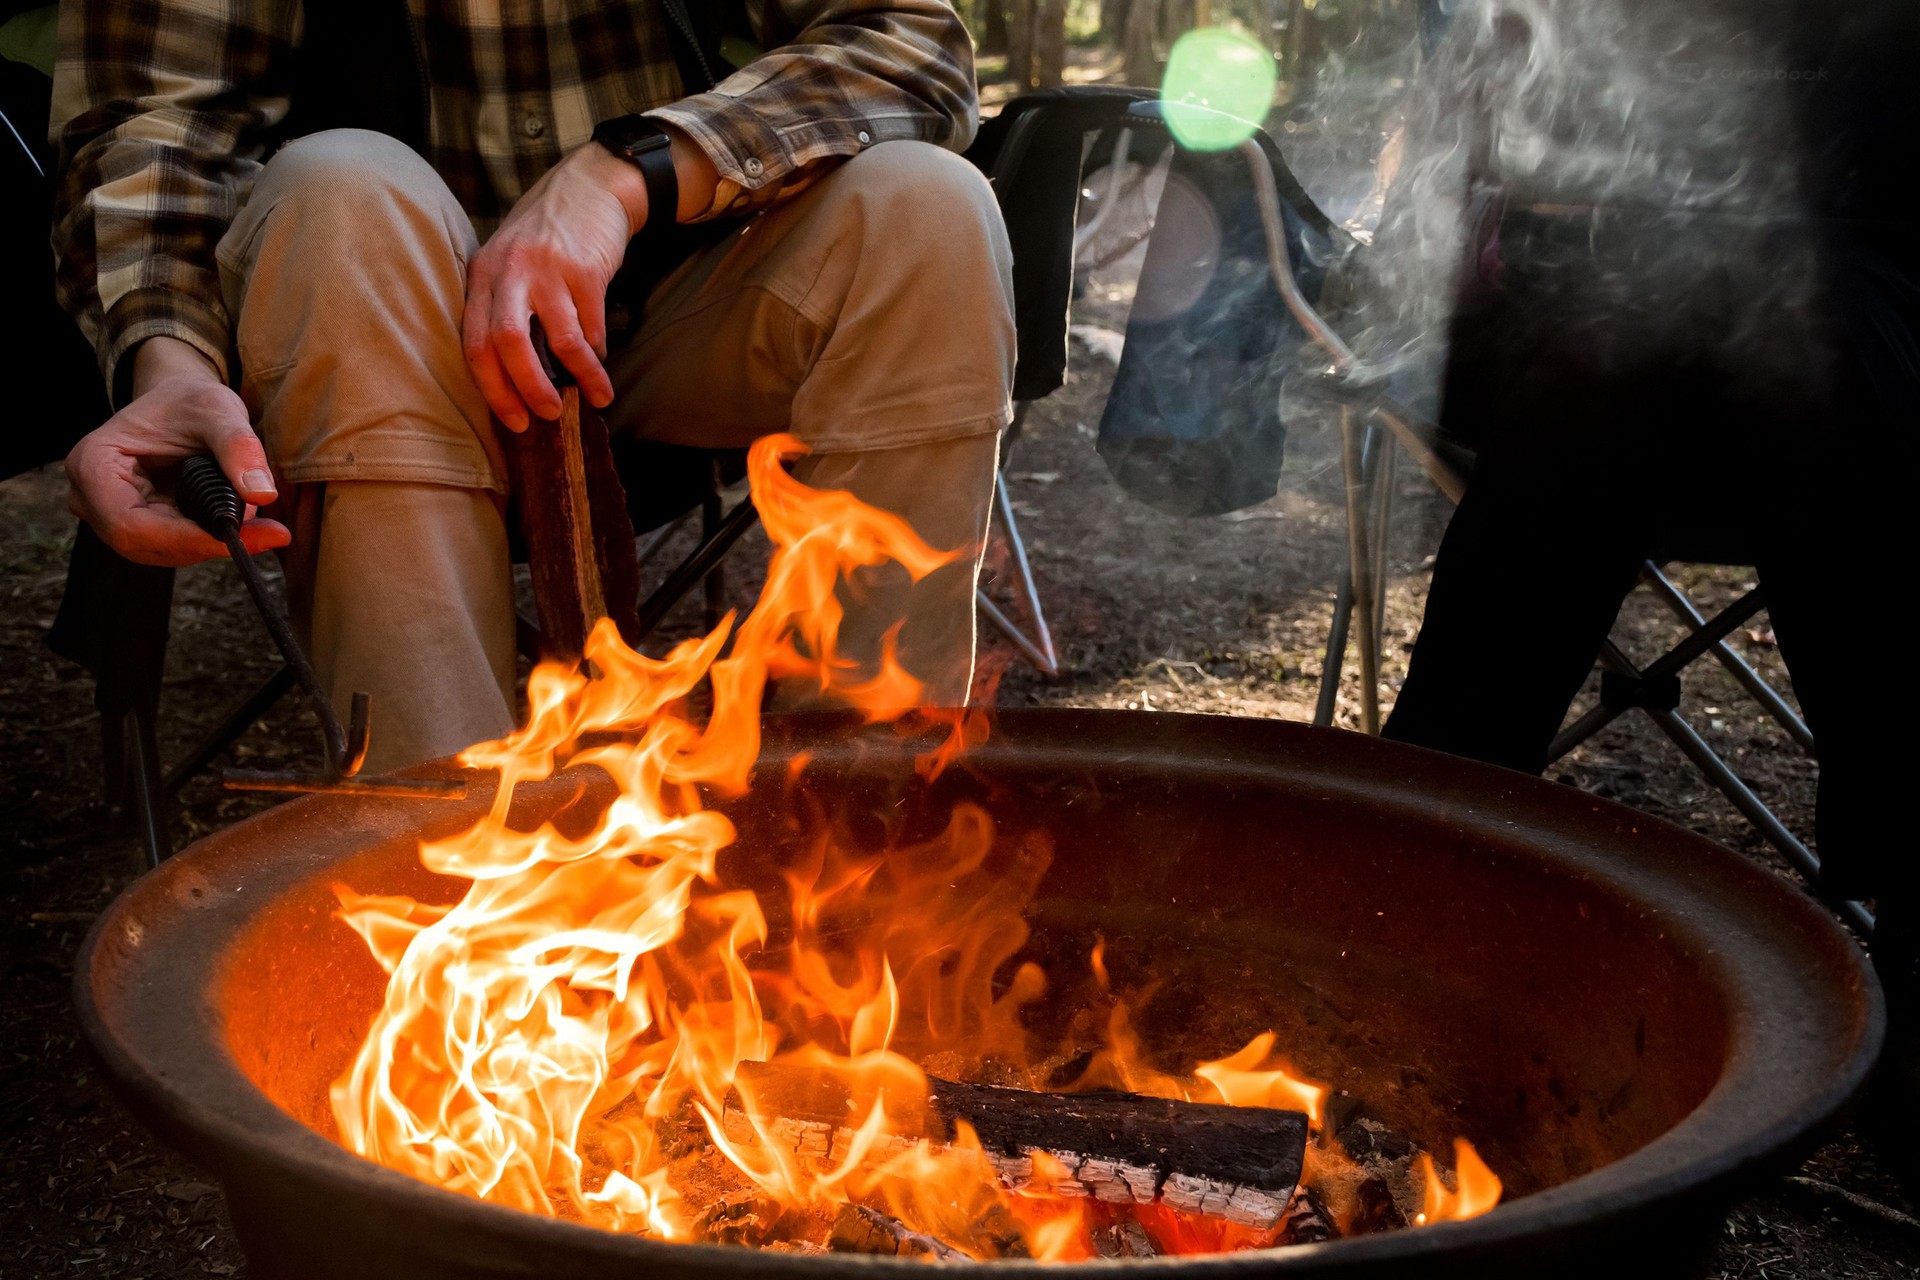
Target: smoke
(1627,173)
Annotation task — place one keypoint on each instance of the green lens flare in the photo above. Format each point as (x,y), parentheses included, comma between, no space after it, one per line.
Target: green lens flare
(1218,89)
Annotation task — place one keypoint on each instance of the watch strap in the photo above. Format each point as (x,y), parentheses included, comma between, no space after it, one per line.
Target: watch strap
(644,144)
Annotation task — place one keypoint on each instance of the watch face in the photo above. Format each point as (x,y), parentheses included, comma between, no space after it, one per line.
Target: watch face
(655,139)
(636,135)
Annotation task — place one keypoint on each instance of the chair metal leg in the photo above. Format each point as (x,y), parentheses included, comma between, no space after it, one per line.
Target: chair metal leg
(113,759)
(222,736)
(528,640)
(694,569)
(1659,704)
(1354,441)
(1612,659)
(1037,648)
(715,582)
(1369,517)
(1728,783)
(658,542)
(1335,660)
(145,794)
(1596,719)
(1665,671)
(1382,485)
(1752,681)
(1678,658)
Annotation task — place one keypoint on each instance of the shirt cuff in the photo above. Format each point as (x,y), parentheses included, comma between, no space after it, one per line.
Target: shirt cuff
(751,159)
(158,313)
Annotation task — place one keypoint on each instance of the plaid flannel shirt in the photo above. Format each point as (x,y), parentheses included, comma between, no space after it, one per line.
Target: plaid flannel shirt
(164,109)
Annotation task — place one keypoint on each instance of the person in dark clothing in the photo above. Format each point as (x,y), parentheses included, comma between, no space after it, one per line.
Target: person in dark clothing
(1687,329)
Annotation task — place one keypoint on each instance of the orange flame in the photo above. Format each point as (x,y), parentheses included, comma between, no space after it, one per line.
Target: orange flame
(1476,1188)
(547,1042)
(587,987)
(1247,1079)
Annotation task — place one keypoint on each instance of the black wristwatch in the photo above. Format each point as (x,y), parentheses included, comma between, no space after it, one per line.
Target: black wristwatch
(644,144)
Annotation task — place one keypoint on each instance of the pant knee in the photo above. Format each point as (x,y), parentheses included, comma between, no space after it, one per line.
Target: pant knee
(917,193)
(350,189)
(345,273)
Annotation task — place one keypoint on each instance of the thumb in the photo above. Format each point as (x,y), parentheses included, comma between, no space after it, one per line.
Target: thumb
(244,459)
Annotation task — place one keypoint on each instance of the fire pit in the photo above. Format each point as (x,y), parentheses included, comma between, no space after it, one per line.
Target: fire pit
(1630,1022)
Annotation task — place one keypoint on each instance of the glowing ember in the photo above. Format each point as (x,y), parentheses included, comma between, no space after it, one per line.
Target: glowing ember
(562,1038)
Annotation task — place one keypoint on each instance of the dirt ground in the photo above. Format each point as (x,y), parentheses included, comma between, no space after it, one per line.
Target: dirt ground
(1225,616)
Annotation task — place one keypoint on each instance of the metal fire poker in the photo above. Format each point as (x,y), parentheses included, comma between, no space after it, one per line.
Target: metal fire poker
(207,498)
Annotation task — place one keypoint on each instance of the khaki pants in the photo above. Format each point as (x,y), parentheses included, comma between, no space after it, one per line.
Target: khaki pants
(871,315)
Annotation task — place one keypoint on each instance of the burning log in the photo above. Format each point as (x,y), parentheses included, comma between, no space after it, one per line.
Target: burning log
(742,1217)
(1124,1240)
(1306,1222)
(858,1229)
(1236,1163)
(1379,1190)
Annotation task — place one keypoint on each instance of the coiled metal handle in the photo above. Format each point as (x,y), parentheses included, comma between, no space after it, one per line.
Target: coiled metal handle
(206,497)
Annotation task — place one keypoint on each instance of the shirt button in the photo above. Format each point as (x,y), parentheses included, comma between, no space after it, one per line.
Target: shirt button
(865,137)
(753,166)
(535,126)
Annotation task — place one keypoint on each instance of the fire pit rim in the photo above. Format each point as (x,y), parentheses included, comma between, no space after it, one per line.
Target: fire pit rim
(1674,1164)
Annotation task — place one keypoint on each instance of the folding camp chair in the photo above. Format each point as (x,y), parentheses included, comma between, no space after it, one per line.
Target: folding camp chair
(1373,425)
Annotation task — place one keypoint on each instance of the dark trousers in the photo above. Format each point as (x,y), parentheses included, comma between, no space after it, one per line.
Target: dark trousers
(1594,457)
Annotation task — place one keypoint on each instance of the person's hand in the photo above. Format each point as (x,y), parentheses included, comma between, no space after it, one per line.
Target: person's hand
(553,258)
(116,474)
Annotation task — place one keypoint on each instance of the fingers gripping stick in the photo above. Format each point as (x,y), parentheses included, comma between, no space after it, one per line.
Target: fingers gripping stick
(208,498)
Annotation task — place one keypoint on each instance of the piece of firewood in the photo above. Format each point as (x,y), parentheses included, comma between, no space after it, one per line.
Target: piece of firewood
(574,522)
(858,1229)
(556,521)
(614,546)
(1237,1163)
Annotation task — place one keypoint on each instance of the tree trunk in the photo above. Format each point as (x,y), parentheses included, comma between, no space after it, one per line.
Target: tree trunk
(1050,44)
(1302,51)
(993,26)
(1142,65)
(1020,14)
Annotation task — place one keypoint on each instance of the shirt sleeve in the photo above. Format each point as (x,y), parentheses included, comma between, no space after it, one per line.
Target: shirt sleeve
(838,77)
(159,118)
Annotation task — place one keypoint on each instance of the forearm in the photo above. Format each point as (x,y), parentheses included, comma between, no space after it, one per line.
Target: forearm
(160,119)
(161,359)
(838,77)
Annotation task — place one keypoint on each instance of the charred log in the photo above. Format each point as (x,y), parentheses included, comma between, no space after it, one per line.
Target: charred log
(1236,1163)
(1305,1222)
(1126,1239)
(858,1229)
(740,1218)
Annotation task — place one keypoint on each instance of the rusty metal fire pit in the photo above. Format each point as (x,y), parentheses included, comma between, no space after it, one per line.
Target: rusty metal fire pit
(1632,1022)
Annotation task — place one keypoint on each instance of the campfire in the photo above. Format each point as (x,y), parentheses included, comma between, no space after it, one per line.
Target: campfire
(1092,983)
(610,1027)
